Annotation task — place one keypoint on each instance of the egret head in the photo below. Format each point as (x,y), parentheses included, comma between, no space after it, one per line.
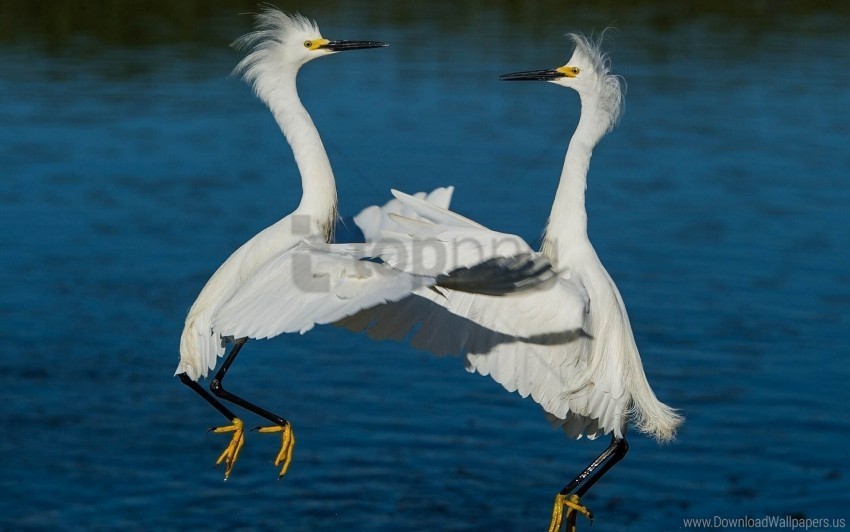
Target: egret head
(284,42)
(588,72)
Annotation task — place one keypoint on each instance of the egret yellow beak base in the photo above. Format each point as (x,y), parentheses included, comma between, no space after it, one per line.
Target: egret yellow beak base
(550,74)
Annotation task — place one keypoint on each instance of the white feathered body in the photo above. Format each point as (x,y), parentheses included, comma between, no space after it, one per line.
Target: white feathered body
(200,343)
(569,346)
(271,66)
(595,384)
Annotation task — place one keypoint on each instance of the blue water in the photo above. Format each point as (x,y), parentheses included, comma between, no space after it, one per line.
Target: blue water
(131,165)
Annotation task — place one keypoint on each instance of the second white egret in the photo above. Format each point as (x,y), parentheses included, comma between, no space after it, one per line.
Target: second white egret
(571,347)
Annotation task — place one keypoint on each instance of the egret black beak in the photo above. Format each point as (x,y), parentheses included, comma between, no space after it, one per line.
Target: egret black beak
(533,75)
(341,46)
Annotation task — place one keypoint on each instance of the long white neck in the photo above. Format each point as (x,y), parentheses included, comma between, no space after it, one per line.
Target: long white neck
(567,227)
(319,200)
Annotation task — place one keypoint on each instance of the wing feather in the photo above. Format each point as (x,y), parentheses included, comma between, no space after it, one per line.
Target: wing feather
(556,370)
(374,220)
(433,212)
(312,284)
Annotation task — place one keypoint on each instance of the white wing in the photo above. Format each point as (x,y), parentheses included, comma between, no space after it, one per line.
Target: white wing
(439,240)
(576,389)
(449,322)
(432,212)
(545,354)
(559,371)
(373,220)
(312,284)
(305,286)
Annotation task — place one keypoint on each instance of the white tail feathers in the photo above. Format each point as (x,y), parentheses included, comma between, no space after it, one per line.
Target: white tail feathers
(654,418)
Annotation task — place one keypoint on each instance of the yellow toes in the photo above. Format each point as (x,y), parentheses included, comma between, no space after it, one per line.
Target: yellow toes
(573,507)
(572,502)
(284,457)
(231,452)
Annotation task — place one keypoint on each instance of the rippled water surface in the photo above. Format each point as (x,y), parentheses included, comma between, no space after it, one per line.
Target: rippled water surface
(131,165)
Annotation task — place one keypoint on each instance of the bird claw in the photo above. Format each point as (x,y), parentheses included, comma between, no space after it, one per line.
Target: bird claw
(573,506)
(284,457)
(231,452)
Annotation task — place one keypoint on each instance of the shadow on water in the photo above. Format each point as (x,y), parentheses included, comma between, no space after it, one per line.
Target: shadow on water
(132,165)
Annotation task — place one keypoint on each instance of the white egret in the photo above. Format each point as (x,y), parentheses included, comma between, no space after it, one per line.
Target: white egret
(588,377)
(287,278)
(281,45)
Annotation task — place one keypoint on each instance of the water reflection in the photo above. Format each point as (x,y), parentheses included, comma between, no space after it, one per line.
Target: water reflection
(132,165)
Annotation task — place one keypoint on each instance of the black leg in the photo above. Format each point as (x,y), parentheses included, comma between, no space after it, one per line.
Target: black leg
(217,387)
(593,472)
(198,389)
(284,457)
(231,452)
(570,496)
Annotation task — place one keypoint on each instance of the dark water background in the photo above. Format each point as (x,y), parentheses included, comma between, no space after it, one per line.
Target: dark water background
(131,165)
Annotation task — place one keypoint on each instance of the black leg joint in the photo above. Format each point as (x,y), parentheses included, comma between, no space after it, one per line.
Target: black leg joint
(622,449)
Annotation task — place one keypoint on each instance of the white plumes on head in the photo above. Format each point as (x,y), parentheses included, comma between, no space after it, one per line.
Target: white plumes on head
(609,89)
(276,44)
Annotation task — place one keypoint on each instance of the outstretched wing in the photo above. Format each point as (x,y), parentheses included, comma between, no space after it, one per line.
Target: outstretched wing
(435,239)
(531,342)
(576,389)
(305,286)
(312,284)
(449,322)
(557,370)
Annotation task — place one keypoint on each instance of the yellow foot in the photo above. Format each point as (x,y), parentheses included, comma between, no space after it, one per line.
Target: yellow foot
(573,506)
(231,453)
(284,457)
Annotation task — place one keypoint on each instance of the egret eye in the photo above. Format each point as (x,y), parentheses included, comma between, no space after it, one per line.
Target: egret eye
(308,44)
